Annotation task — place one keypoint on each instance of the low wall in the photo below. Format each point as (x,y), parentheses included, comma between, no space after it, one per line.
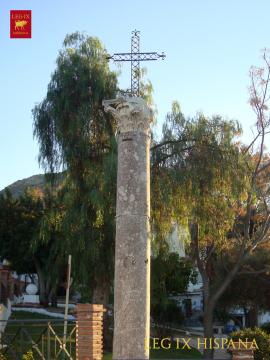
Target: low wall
(42,311)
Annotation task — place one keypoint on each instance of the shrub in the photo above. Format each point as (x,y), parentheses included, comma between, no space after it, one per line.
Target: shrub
(174,313)
(262,340)
(28,356)
(167,312)
(266,327)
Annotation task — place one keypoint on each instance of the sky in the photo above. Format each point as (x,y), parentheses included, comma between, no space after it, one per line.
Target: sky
(209,46)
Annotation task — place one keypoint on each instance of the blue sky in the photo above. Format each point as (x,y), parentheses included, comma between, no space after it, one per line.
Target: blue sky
(209,44)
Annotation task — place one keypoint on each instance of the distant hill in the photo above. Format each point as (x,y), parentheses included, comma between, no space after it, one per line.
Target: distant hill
(18,187)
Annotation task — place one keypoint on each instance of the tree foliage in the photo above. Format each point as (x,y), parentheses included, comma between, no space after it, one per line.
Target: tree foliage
(250,288)
(74,132)
(205,178)
(30,238)
(194,172)
(70,124)
(18,228)
(170,277)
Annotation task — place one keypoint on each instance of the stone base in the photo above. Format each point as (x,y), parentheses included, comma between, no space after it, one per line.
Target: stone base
(31,299)
(241,352)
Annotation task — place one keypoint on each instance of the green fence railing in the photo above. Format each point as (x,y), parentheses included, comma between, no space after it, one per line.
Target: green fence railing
(38,339)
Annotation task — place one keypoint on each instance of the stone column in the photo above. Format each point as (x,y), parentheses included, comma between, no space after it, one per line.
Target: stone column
(132,248)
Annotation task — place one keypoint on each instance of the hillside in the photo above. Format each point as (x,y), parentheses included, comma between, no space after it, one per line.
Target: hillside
(18,187)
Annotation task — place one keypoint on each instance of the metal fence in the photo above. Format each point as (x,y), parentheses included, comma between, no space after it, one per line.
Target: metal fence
(38,339)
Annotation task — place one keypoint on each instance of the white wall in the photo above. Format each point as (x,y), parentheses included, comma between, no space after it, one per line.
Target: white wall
(177,239)
(264,317)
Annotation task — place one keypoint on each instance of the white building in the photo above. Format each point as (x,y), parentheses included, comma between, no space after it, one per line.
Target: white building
(191,302)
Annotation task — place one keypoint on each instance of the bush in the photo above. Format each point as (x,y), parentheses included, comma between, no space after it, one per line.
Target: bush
(262,340)
(174,313)
(266,327)
(167,312)
(28,356)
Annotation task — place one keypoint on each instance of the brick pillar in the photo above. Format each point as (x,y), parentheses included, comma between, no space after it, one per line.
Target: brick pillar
(89,340)
(243,352)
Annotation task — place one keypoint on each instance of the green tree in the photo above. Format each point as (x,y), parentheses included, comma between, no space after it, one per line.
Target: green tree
(250,287)
(18,226)
(204,177)
(74,132)
(28,243)
(170,275)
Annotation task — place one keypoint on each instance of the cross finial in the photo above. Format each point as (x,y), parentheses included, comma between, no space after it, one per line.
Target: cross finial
(135,56)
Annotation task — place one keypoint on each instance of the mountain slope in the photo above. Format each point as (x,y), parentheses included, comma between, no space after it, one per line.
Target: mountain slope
(18,187)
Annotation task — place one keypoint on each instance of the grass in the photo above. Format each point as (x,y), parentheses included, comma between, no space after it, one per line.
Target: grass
(175,354)
(27,315)
(172,353)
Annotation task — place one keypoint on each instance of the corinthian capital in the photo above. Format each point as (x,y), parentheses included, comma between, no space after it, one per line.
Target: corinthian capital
(131,114)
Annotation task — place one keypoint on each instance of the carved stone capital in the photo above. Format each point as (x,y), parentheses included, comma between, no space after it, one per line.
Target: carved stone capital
(131,114)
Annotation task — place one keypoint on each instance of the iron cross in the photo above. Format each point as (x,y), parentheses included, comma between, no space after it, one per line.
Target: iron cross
(135,56)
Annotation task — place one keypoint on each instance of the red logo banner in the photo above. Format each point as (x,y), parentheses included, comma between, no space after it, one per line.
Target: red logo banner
(20,24)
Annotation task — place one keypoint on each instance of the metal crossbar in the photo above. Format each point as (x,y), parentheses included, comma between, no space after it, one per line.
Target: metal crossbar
(61,344)
(135,56)
(145,56)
